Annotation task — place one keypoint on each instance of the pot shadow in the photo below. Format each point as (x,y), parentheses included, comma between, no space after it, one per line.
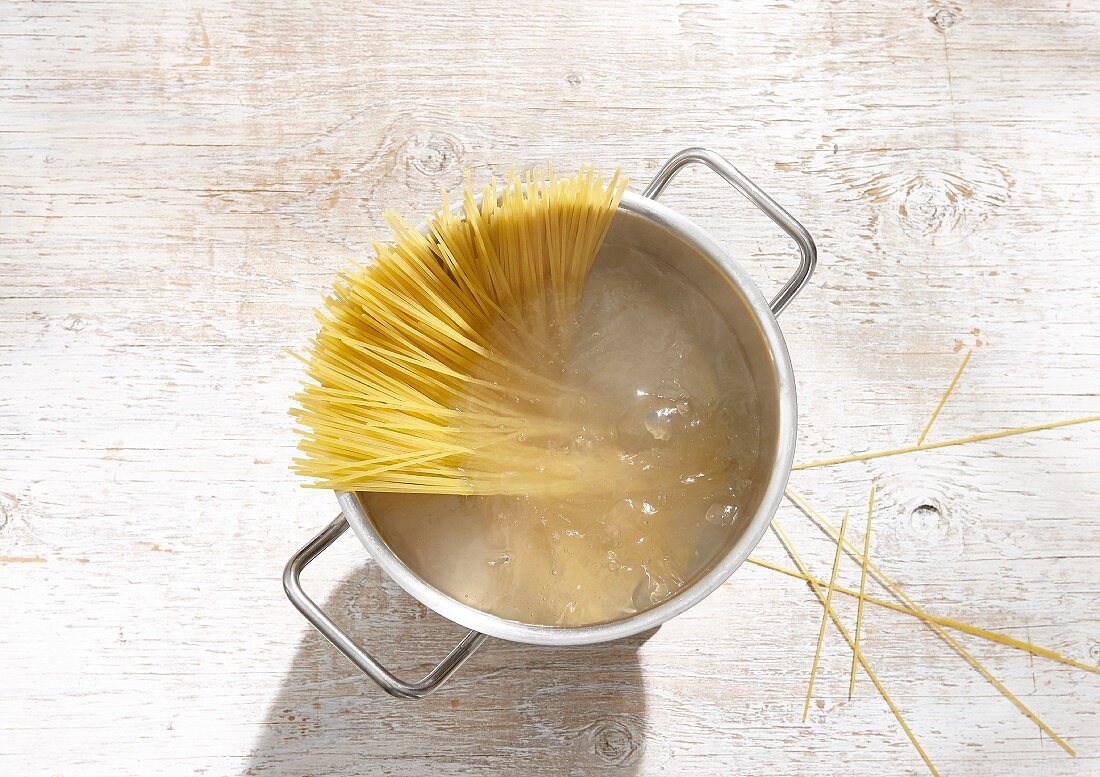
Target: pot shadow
(512,708)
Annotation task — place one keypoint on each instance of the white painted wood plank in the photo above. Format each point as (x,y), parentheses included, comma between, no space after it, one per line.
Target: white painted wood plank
(179,182)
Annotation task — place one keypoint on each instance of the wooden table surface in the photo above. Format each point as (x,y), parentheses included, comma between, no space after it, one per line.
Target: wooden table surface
(180,181)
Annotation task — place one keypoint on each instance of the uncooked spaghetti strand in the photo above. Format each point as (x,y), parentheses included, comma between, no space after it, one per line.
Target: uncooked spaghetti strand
(494,272)
(785,540)
(862,585)
(584,218)
(450,241)
(445,296)
(825,620)
(387,445)
(828,529)
(946,394)
(326,397)
(416,312)
(410,338)
(365,377)
(416,261)
(615,189)
(951,623)
(442,369)
(371,353)
(947,443)
(433,352)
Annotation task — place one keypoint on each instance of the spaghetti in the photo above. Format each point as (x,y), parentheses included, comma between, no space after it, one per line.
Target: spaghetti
(430,364)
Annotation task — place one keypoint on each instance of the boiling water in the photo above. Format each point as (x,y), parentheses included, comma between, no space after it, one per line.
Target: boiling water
(654,361)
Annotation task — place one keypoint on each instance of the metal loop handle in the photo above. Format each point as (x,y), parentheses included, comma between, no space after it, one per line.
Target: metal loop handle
(760,198)
(365,661)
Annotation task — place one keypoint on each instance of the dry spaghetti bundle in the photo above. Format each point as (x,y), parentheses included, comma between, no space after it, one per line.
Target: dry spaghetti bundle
(433,370)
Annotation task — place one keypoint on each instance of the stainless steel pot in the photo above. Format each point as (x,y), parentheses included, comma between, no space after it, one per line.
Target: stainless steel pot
(645,223)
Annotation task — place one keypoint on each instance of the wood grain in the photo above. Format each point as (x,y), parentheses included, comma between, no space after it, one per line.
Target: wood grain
(178,183)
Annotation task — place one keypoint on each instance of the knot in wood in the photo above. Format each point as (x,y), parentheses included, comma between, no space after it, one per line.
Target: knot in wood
(931,520)
(932,197)
(930,205)
(944,16)
(925,514)
(615,742)
(433,155)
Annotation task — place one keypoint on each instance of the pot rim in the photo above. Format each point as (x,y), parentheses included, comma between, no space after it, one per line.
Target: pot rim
(516,631)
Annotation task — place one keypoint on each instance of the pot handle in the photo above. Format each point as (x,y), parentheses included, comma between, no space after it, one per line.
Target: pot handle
(365,661)
(739,181)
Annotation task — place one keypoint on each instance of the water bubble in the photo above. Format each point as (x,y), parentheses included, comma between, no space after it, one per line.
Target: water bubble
(657,425)
(569,609)
(622,510)
(641,597)
(502,560)
(721,514)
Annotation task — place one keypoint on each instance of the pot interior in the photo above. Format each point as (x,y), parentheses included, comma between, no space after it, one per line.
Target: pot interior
(442,543)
